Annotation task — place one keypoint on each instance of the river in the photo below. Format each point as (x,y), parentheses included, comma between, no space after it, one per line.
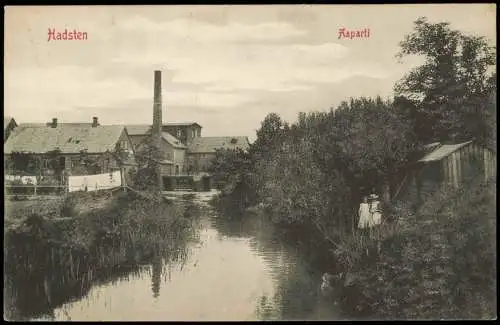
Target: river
(231,270)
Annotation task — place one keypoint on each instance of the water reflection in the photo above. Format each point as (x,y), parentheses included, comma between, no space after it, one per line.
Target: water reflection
(234,268)
(296,294)
(157,268)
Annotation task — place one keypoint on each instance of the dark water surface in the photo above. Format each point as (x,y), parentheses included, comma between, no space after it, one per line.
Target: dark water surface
(231,270)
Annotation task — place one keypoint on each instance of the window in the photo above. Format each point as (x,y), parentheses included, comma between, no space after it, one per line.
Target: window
(178,133)
(199,132)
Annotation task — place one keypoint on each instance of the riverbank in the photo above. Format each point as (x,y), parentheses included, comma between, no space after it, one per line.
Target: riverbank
(61,247)
(438,262)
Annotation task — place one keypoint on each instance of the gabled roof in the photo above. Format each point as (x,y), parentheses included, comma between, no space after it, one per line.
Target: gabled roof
(138,129)
(48,124)
(176,143)
(67,138)
(7,120)
(211,144)
(144,129)
(441,151)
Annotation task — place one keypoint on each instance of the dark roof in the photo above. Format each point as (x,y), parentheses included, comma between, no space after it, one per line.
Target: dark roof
(141,129)
(181,124)
(176,143)
(441,151)
(211,144)
(7,120)
(67,138)
(144,129)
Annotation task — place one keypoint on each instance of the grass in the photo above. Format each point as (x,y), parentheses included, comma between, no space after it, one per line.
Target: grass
(18,210)
(436,264)
(96,240)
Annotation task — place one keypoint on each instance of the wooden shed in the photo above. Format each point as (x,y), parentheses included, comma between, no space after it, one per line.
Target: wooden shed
(447,166)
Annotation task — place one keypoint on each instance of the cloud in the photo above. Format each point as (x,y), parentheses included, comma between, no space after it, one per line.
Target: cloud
(204,99)
(227,75)
(294,67)
(217,58)
(41,91)
(237,67)
(198,31)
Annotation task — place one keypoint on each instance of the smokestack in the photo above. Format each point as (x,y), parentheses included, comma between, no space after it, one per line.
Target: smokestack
(54,123)
(156,132)
(95,122)
(157,118)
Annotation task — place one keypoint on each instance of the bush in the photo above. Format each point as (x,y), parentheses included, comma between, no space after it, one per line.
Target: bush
(439,265)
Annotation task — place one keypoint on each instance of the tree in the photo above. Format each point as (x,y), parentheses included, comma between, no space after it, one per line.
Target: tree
(270,135)
(231,171)
(148,157)
(451,88)
(371,140)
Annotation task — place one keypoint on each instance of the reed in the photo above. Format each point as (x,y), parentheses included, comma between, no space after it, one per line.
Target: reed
(93,244)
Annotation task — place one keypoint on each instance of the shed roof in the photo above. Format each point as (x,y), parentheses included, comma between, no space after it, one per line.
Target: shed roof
(211,144)
(67,138)
(442,151)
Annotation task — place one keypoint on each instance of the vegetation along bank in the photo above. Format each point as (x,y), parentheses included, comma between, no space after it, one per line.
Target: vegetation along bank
(430,258)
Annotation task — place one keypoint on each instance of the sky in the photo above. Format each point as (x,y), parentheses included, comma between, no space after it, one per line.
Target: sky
(224,67)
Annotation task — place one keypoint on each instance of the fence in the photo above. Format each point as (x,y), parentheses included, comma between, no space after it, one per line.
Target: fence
(33,189)
(27,185)
(97,182)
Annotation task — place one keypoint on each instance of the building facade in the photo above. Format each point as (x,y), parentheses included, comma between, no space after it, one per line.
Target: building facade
(172,150)
(185,132)
(179,158)
(202,151)
(57,149)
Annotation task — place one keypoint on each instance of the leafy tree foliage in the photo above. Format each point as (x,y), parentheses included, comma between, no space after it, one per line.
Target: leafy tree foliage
(311,175)
(148,156)
(449,91)
(313,172)
(441,266)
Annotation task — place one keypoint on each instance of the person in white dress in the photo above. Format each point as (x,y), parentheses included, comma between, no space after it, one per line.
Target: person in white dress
(376,219)
(364,214)
(375,210)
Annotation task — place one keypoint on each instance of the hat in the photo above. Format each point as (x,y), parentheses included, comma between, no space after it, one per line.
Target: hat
(373,196)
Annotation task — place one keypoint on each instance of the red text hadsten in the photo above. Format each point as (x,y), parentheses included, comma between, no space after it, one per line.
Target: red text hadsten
(356,33)
(66,35)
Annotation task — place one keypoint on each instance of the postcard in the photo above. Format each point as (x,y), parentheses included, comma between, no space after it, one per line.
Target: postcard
(250,162)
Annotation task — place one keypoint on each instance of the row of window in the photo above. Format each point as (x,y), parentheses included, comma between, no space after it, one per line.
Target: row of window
(194,133)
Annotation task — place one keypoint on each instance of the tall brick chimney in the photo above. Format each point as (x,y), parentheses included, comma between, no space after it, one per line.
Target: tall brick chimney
(157,118)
